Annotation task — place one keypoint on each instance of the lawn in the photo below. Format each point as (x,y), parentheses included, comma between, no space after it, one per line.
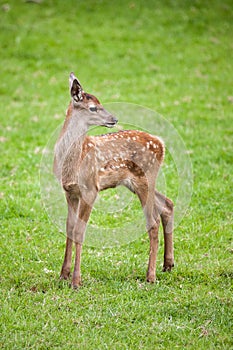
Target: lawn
(173,58)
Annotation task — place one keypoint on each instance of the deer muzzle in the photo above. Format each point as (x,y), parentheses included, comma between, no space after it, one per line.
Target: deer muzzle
(111,122)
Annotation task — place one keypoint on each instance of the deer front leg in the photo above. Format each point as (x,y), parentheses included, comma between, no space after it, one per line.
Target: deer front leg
(65,271)
(166,210)
(84,211)
(76,278)
(70,222)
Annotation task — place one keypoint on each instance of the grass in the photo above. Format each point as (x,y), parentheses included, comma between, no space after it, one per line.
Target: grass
(174,57)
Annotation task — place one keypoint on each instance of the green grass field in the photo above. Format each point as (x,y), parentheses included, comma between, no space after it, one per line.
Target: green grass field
(174,57)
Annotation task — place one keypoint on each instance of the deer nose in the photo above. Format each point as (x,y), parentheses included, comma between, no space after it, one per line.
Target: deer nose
(114,120)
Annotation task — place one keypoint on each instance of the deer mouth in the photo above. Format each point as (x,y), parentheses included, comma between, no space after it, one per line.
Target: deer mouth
(112,123)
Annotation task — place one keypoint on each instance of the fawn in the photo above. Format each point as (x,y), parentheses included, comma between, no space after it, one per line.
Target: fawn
(86,165)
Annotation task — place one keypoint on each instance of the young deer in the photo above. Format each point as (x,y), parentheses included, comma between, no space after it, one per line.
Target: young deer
(86,165)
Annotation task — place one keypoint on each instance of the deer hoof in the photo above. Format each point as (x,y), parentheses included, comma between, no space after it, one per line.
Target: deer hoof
(76,284)
(168,266)
(64,275)
(150,278)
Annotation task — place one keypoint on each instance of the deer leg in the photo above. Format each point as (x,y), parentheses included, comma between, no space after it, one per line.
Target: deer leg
(65,271)
(152,222)
(84,211)
(165,208)
(154,242)
(76,278)
(70,222)
(153,231)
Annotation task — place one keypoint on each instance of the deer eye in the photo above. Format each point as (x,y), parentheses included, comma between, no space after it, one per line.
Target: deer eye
(93,109)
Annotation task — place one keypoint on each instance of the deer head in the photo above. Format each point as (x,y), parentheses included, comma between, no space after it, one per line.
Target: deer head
(87,107)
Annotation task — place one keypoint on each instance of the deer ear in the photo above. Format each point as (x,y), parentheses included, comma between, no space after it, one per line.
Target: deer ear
(75,88)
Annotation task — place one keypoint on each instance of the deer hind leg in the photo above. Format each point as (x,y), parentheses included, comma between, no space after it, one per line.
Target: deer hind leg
(153,231)
(152,223)
(70,222)
(165,208)
(154,242)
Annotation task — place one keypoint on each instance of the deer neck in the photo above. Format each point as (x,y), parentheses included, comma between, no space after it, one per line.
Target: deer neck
(68,148)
